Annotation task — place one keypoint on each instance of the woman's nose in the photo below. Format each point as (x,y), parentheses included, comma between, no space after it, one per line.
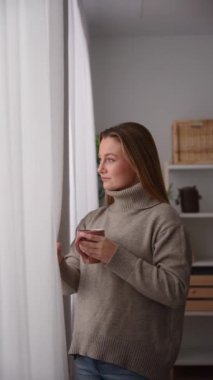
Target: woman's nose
(100,168)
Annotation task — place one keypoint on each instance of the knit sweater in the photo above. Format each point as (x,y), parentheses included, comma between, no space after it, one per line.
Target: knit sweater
(130,311)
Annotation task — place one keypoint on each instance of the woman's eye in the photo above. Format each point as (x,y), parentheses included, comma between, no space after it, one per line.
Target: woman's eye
(110,160)
(107,160)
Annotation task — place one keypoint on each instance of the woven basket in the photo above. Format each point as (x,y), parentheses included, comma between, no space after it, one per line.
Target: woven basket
(192,142)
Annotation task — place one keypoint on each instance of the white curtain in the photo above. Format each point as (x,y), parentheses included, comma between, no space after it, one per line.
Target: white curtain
(83,188)
(83,174)
(32,338)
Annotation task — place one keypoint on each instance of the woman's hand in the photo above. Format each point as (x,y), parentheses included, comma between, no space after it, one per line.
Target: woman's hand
(86,259)
(59,252)
(95,247)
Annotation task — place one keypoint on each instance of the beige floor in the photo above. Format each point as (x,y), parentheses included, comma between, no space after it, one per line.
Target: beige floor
(193,373)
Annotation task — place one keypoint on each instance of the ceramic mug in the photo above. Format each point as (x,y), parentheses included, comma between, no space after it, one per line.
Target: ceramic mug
(97,231)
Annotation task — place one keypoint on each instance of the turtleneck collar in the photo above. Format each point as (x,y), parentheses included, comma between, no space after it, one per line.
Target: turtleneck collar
(134,197)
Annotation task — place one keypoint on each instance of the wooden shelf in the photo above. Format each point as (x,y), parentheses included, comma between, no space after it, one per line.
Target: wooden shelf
(199,314)
(195,356)
(202,263)
(190,167)
(196,215)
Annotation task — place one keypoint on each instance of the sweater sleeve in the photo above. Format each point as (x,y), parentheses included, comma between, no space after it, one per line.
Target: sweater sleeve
(166,278)
(70,271)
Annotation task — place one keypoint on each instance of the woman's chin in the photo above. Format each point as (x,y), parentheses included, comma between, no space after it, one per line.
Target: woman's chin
(108,186)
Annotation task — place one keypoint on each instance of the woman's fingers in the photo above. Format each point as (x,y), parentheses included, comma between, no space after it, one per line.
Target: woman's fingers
(59,252)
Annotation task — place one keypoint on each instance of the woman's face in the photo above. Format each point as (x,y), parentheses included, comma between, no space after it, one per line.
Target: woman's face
(114,168)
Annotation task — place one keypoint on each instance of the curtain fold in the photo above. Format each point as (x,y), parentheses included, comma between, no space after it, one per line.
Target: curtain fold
(83,188)
(32,338)
(82,161)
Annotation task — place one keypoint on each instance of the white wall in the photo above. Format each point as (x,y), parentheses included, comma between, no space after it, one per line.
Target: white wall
(152,80)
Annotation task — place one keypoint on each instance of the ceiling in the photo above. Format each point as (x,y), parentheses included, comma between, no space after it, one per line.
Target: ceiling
(111,18)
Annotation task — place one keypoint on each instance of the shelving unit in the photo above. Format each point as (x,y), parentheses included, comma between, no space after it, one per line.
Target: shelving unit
(199,225)
(197,343)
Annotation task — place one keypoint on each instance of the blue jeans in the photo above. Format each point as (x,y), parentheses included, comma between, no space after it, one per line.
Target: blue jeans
(91,369)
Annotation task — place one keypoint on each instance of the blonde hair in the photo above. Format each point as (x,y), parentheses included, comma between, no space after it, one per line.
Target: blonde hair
(140,149)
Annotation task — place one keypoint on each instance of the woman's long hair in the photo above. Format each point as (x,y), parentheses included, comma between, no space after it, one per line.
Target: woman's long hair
(140,149)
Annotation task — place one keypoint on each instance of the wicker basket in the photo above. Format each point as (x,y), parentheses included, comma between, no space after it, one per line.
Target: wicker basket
(192,141)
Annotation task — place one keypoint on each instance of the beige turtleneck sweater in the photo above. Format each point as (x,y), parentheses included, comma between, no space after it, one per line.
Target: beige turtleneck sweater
(130,311)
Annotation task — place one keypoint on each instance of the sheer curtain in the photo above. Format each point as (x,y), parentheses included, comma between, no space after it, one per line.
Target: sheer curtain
(32,338)
(82,162)
(83,188)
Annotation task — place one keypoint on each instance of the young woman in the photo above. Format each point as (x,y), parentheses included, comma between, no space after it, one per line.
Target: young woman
(131,283)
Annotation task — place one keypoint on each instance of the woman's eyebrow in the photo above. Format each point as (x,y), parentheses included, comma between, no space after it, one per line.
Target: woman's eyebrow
(108,154)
